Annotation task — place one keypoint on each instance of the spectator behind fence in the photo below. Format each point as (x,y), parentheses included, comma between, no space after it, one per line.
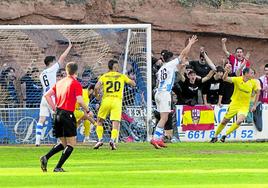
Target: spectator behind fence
(264,85)
(228,88)
(9,88)
(235,59)
(203,65)
(156,64)
(61,74)
(190,86)
(130,93)
(212,90)
(202,68)
(31,88)
(177,88)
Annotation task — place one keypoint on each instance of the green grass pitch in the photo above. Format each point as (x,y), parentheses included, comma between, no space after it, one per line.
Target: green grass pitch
(139,165)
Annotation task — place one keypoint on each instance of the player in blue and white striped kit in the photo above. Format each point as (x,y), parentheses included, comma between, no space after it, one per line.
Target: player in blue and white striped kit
(165,80)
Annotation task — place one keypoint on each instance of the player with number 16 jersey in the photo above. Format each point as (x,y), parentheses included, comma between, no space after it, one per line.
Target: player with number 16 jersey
(165,78)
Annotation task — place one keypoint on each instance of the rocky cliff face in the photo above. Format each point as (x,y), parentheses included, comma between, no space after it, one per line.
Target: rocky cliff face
(244,25)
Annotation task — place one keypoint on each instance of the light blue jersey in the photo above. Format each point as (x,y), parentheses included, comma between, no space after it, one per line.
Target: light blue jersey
(166,75)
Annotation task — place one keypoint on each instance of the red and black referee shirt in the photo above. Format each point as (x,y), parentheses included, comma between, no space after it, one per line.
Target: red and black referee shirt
(66,91)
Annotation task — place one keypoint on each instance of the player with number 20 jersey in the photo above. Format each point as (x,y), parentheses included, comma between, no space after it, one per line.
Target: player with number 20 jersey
(113,85)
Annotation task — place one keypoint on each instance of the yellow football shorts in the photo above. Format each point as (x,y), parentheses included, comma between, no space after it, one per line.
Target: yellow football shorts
(112,106)
(78,114)
(236,110)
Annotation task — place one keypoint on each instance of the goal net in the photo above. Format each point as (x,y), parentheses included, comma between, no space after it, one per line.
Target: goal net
(22,52)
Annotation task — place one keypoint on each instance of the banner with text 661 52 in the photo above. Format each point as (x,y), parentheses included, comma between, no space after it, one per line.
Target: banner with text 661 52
(248,130)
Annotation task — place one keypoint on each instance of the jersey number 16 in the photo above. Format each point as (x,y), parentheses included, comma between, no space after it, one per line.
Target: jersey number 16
(163,74)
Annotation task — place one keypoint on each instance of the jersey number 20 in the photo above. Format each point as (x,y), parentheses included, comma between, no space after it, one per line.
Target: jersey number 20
(113,86)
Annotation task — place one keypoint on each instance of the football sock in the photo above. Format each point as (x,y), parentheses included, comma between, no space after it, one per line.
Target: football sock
(56,148)
(99,131)
(87,127)
(65,155)
(114,135)
(219,129)
(233,127)
(39,128)
(158,133)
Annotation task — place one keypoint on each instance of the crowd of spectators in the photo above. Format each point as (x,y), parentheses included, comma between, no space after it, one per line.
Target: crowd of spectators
(201,81)
(26,92)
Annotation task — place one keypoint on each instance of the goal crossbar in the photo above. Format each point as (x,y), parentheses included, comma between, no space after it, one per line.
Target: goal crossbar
(86,26)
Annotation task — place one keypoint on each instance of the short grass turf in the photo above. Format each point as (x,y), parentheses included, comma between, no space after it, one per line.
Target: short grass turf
(139,165)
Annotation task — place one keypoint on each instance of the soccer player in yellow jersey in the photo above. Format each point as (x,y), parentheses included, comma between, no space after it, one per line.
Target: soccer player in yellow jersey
(112,84)
(243,88)
(80,114)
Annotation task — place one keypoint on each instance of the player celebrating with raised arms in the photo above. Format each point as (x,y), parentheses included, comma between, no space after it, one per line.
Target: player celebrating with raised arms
(48,79)
(165,79)
(112,84)
(243,88)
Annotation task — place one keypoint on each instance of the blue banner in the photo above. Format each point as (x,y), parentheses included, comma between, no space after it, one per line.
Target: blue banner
(18,125)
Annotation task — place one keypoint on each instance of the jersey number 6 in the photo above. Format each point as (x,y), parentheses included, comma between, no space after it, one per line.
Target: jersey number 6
(46,82)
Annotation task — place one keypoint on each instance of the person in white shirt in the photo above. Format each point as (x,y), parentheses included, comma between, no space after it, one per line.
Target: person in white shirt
(48,78)
(165,79)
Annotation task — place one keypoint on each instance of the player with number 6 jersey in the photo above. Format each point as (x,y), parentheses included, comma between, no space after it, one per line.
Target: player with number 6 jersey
(112,84)
(48,79)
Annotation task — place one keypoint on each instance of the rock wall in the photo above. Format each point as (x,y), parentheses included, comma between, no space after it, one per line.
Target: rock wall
(244,25)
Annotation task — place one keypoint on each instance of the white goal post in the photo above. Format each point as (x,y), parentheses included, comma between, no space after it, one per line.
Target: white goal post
(23,48)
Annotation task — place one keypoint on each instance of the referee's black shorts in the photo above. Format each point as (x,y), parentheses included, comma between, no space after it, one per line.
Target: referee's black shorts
(64,124)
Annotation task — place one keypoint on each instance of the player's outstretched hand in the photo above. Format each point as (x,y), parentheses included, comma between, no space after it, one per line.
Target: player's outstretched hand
(193,39)
(223,40)
(70,43)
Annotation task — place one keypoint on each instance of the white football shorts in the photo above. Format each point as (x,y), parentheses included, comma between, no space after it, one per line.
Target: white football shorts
(163,101)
